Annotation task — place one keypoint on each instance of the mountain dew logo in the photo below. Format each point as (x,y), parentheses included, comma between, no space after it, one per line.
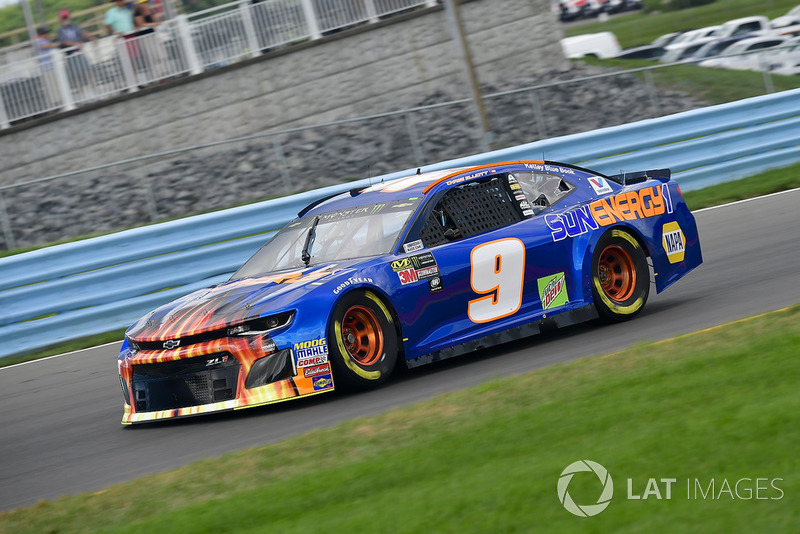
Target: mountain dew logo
(553,291)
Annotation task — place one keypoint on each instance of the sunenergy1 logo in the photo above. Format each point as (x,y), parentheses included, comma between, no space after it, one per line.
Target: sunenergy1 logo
(631,205)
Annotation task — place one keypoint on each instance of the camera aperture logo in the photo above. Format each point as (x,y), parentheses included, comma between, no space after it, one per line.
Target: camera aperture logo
(585,510)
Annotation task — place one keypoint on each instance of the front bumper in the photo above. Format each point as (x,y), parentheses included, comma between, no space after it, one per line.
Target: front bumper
(219,375)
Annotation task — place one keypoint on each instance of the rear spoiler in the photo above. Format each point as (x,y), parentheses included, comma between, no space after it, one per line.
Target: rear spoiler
(628,178)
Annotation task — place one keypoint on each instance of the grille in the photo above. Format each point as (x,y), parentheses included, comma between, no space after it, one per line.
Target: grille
(185,383)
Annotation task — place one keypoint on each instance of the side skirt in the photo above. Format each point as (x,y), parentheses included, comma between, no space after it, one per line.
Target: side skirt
(578,315)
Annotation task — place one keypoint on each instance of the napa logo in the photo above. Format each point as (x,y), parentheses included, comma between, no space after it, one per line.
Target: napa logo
(674,242)
(585,510)
(553,291)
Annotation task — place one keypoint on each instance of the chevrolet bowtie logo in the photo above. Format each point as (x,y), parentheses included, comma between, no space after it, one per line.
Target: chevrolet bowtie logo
(172,343)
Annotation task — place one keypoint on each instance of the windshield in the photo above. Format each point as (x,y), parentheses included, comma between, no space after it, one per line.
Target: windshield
(358,232)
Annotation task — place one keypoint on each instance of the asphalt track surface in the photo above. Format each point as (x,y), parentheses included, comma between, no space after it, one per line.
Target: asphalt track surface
(60,429)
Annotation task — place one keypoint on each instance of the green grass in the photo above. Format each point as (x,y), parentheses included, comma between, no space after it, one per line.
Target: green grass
(719,404)
(760,184)
(642,28)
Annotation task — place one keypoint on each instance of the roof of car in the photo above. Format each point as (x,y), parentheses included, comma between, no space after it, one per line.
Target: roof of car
(413,186)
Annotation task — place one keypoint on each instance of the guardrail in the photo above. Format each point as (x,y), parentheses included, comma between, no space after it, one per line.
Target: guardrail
(97,285)
(188,44)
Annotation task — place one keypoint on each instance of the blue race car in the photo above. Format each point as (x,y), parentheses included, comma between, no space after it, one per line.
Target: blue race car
(414,270)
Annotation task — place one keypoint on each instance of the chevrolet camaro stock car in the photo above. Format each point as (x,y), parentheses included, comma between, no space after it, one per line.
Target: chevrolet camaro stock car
(414,270)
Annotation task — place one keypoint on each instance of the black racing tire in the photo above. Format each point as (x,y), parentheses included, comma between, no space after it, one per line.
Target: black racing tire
(620,276)
(363,341)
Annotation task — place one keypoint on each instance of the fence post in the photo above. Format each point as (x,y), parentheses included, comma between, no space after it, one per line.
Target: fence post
(149,197)
(372,13)
(4,123)
(127,66)
(287,180)
(651,90)
(537,112)
(412,134)
(6,222)
(249,30)
(769,87)
(185,33)
(62,80)
(311,19)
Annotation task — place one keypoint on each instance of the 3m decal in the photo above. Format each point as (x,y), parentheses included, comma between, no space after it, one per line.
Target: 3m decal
(498,271)
(312,352)
(322,382)
(674,242)
(413,246)
(640,204)
(401,265)
(553,291)
(317,370)
(407,276)
(600,185)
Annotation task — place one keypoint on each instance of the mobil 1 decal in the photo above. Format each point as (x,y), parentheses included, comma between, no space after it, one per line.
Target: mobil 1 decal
(628,206)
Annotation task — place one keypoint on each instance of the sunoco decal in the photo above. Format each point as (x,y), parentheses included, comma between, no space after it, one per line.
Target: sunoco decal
(553,291)
(322,382)
(629,206)
(312,352)
(674,242)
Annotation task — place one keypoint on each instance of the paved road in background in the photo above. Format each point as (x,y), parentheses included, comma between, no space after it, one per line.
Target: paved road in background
(59,418)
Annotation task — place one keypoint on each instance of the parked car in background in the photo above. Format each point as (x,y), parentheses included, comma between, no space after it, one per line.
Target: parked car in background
(714,48)
(784,59)
(603,45)
(690,36)
(745,54)
(652,51)
(789,19)
(682,51)
(757,25)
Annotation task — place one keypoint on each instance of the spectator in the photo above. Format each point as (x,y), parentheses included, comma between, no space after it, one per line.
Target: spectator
(119,19)
(71,37)
(144,19)
(43,46)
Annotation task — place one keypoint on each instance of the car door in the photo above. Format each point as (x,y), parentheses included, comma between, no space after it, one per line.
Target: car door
(481,259)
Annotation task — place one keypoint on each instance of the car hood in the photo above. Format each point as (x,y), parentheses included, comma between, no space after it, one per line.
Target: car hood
(234,302)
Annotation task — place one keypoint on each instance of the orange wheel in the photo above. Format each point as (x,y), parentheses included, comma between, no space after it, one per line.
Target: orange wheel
(363,341)
(362,335)
(617,273)
(620,276)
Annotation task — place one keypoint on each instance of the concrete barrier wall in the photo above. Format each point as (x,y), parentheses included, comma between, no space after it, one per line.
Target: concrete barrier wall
(97,285)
